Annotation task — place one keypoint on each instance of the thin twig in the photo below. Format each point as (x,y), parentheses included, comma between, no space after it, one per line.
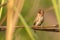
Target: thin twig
(3,19)
(2,5)
(46,28)
(48,9)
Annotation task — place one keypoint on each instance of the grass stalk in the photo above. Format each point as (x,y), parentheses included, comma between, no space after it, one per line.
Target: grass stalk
(1,8)
(18,10)
(29,31)
(56,11)
(10,27)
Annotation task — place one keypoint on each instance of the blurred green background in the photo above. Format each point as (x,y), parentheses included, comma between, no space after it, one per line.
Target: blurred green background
(29,12)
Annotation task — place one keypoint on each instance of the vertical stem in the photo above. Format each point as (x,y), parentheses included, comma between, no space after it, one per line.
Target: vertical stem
(1,8)
(17,11)
(59,5)
(59,12)
(29,31)
(9,31)
(56,11)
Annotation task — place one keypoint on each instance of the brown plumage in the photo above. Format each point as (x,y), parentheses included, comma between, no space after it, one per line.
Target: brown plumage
(39,18)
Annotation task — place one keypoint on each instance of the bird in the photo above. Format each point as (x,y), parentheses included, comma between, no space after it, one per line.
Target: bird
(39,19)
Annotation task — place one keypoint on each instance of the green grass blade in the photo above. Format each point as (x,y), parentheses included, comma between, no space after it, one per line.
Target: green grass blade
(56,11)
(59,5)
(1,8)
(27,27)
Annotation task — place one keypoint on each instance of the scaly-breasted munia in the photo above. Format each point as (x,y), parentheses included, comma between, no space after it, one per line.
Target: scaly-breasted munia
(39,18)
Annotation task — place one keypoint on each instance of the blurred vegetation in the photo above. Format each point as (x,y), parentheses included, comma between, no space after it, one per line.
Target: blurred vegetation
(29,12)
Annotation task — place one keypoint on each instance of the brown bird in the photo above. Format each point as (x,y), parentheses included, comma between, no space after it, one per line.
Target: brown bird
(39,18)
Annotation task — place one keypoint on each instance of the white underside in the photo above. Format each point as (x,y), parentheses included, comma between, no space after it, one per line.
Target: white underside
(38,21)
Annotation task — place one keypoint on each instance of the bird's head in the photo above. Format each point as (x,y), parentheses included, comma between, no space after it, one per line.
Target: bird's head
(41,12)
